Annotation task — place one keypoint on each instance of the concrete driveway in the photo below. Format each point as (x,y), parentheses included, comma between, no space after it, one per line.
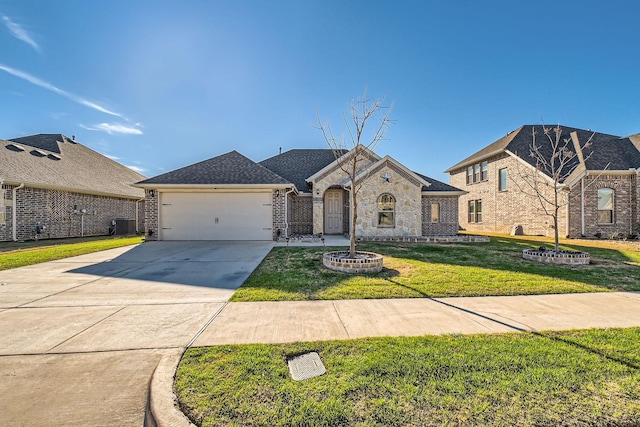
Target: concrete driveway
(81,337)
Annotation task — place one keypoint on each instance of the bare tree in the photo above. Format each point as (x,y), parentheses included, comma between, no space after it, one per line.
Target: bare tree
(362,111)
(555,159)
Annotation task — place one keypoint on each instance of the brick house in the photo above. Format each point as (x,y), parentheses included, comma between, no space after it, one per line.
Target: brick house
(298,192)
(602,191)
(54,187)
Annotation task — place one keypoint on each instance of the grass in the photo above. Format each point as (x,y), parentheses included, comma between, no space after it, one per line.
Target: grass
(13,255)
(441,270)
(579,378)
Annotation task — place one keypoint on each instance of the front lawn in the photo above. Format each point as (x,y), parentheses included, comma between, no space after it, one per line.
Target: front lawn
(13,255)
(579,378)
(440,270)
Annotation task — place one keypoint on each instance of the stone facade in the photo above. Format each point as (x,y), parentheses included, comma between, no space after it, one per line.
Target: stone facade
(408,204)
(502,210)
(332,179)
(61,213)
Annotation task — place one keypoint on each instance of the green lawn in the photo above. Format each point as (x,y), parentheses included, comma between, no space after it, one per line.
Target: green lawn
(580,378)
(13,254)
(439,270)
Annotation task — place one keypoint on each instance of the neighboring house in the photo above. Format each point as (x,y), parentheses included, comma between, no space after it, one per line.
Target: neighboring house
(54,187)
(603,190)
(298,192)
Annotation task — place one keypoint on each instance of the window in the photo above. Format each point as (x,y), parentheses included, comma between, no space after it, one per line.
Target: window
(435,212)
(478,173)
(475,211)
(605,206)
(502,180)
(386,210)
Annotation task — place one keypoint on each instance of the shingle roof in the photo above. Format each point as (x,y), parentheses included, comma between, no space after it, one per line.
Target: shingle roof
(229,168)
(55,161)
(437,185)
(299,164)
(605,150)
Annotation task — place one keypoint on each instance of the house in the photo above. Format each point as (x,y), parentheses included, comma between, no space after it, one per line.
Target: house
(602,193)
(301,191)
(53,186)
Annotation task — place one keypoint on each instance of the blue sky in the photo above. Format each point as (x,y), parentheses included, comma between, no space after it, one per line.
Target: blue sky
(158,85)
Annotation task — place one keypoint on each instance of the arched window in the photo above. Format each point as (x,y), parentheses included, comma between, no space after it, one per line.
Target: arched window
(605,206)
(386,210)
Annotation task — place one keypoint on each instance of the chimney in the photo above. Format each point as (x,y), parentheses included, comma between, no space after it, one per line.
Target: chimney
(280,150)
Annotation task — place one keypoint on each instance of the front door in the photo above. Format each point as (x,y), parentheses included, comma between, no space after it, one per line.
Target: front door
(333,205)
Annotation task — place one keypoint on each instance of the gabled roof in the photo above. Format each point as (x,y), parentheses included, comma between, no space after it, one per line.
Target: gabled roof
(227,169)
(335,164)
(395,165)
(439,186)
(55,161)
(605,151)
(299,164)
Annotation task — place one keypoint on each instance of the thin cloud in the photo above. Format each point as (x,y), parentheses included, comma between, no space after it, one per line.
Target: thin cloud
(112,128)
(20,33)
(137,169)
(38,82)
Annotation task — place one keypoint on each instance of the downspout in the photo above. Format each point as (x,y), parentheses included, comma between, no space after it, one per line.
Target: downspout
(14,218)
(286,214)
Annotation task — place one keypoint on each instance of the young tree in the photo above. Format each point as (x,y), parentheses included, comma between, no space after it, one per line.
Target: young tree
(360,139)
(555,158)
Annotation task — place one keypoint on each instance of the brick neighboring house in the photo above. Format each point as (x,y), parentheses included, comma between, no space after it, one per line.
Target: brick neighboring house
(603,191)
(54,187)
(301,191)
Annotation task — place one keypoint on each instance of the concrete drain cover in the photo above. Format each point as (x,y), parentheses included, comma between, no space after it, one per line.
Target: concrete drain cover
(306,366)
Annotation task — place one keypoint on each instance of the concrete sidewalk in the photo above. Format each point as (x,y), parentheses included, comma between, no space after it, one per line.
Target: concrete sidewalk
(281,322)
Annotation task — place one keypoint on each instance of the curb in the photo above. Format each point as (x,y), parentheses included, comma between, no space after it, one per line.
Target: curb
(162,405)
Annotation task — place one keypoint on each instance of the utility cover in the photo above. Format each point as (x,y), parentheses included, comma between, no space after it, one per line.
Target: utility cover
(306,366)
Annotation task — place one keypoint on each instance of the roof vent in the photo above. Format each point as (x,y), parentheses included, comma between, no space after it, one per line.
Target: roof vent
(54,156)
(15,147)
(38,153)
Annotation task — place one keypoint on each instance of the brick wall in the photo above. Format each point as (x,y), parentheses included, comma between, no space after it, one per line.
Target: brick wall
(448,224)
(502,210)
(625,217)
(151,214)
(54,209)
(300,214)
(279,217)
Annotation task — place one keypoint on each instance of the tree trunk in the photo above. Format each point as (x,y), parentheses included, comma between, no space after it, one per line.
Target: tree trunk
(354,215)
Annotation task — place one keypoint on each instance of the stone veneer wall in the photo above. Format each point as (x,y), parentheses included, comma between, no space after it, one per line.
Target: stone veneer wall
(501,210)
(331,179)
(54,210)
(408,206)
(625,205)
(300,214)
(448,224)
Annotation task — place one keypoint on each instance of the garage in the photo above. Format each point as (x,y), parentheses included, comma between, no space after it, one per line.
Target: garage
(216,216)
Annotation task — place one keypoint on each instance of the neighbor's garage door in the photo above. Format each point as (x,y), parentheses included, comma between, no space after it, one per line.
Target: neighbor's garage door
(216,216)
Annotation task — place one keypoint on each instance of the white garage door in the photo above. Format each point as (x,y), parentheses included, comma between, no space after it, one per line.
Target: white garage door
(216,216)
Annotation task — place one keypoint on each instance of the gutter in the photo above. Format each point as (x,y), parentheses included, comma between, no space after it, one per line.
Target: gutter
(14,219)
